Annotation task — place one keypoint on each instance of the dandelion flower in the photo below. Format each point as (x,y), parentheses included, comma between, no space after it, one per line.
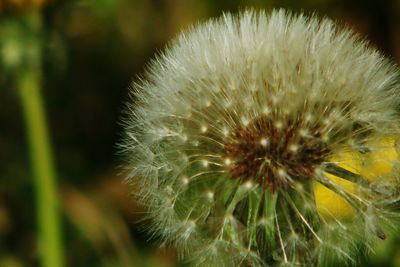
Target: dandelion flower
(266,139)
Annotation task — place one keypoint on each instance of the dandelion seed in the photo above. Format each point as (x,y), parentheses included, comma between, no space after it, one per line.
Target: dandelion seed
(278,125)
(293,148)
(264,141)
(228,161)
(185,180)
(266,110)
(205,163)
(248,185)
(245,121)
(210,195)
(292,139)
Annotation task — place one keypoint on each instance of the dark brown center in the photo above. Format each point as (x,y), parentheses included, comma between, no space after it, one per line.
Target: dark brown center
(275,153)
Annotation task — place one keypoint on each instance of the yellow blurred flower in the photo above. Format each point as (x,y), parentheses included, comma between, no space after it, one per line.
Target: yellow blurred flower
(371,165)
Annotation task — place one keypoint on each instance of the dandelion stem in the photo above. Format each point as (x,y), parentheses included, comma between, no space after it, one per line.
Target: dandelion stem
(254,202)
(43,170)
(269,213)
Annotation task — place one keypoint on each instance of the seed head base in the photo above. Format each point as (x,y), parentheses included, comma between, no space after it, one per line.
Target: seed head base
(275,153)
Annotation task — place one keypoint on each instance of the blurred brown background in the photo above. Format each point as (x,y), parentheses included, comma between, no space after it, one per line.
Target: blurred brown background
(92,50)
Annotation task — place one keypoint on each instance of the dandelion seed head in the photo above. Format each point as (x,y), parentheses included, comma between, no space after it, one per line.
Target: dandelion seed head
(266,134)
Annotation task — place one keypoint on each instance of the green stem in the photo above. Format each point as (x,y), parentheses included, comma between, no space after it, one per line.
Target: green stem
(50,244)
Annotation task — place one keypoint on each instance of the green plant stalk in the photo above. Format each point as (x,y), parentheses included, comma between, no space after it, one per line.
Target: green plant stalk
(50,243)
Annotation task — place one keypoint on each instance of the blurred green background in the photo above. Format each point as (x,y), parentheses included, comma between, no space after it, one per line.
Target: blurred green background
(80,57)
